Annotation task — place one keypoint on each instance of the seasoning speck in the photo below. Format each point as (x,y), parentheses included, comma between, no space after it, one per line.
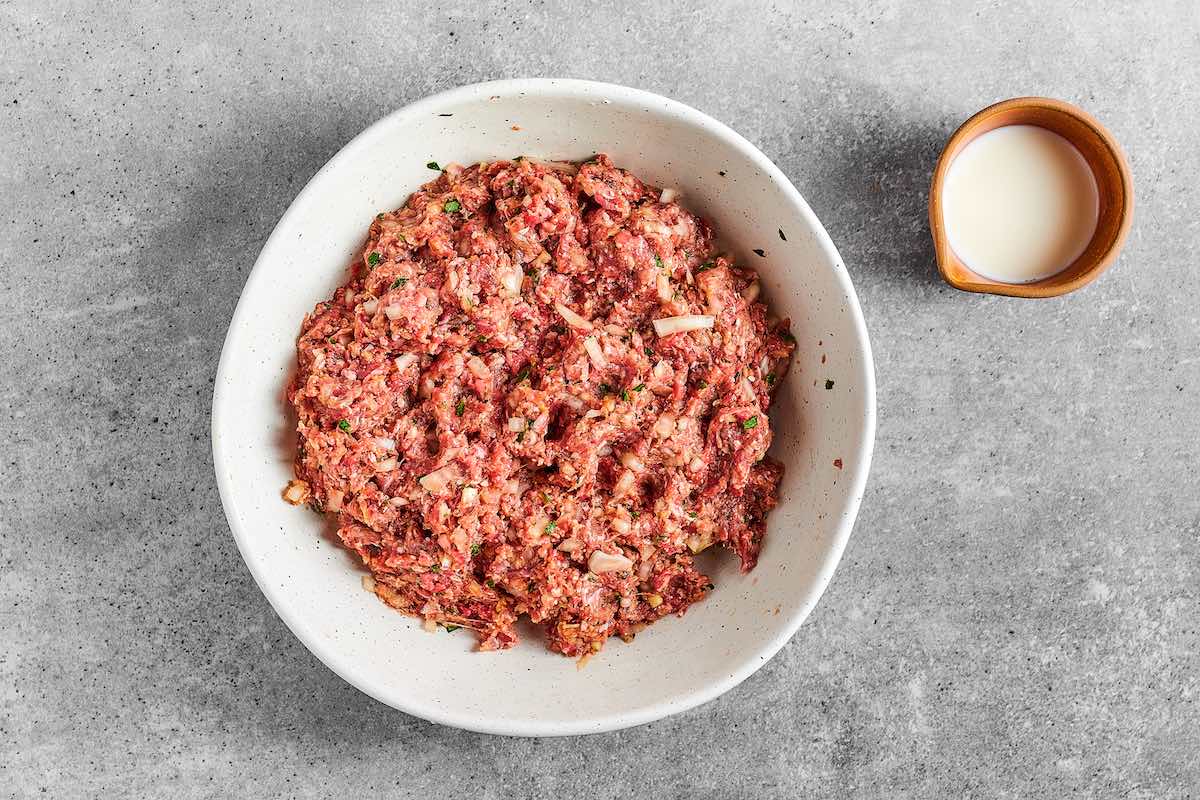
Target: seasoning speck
(781,236)
(828,384)
(837,462)
(433,165)
(758,251)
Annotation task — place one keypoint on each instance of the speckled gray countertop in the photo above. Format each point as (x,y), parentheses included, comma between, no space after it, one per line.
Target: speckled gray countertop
(1016,614)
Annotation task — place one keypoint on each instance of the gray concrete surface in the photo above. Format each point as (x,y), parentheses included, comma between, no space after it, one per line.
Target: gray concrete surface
(1016,615)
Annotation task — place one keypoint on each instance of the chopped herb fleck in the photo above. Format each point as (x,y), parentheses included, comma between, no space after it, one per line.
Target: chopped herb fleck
(476,549)
(750,423)
(828,384)
(770,379)
(450,206)
(373,259)
(523,374)
(460,407)
(705,266)
(787,336)
(331,340)
(491,584)
(758,251)
(639,387)
(379,215)
(703,384)
(658,262)
(648,351)
(344,424)
(451,628)
(781,236)
(634,513)
(396,284)
(434,165)
(625,395)
(709,587)
(436,568)
(550,526)
(693,514)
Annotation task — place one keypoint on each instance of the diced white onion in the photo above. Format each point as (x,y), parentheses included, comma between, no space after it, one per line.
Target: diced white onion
(601,562)
(683,323)
(368,583)
(620,525)
(437,480)
(573,319)
(750,293)
(393,311)
(333,500)
(631,460)
(663,286)
(478,368)
(594,352)
(511,280)
(371,306)
(469,495)
(516,423)
(385,442)
(764,366)
(667,196)
(568,546)
(405,361)
(615,330)
(665,426)
(387,465)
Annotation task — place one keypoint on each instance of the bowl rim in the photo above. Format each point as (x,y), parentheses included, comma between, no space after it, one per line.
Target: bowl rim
(751,661)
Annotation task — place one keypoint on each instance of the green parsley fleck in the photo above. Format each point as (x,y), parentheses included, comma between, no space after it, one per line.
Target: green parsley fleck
(693,514)
(344,424)
(523,374)
(436,568)
(639,387)
(770,379)
(434,165)
(450,206)
(625,395)
(828,384)
(460,407)
(658,262)
(787,336)
(648,351)
(703,384)
(550,526)
(750,423)
(373,259)
(451,628)
(709,587)
(491,584)
(634,513)
(331,340)
(705,266)
(379,215)
(476,549)
(396,284)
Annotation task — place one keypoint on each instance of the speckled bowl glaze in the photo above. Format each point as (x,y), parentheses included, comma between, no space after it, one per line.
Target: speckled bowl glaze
(824,417)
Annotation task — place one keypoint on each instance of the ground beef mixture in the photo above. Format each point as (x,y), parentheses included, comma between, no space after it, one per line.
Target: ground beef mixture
(540,392)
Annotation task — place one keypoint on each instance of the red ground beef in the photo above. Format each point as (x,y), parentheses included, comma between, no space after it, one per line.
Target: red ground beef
(487,408)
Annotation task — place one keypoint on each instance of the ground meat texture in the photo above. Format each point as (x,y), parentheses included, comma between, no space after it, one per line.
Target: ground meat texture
(488,410)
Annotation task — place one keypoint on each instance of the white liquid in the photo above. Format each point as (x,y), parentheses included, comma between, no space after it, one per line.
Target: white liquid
(1019,204)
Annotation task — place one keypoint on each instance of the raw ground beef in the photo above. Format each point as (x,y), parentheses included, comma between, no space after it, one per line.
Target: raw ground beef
(503,423)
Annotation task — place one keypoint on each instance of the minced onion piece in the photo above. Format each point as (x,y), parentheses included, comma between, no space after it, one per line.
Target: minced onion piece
(368,583)
(511,280)
(405,361)
(750,294)
(665,426)
(594,352)
(516,423)
(601,562)
(393,311)
(385,442)
(469,495)
(631,460)
(568,546)
(371,306)
(333,500)
(573,319)
(667,195)
(663,286)
(387,465)
(683,323)
(437,480)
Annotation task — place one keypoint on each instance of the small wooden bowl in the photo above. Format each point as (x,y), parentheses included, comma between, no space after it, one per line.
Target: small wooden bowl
(1113,181)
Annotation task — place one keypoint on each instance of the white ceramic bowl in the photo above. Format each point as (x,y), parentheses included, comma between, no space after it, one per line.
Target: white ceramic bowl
(676,664)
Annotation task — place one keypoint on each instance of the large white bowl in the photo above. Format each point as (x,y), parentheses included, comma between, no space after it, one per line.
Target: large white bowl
(823,435)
